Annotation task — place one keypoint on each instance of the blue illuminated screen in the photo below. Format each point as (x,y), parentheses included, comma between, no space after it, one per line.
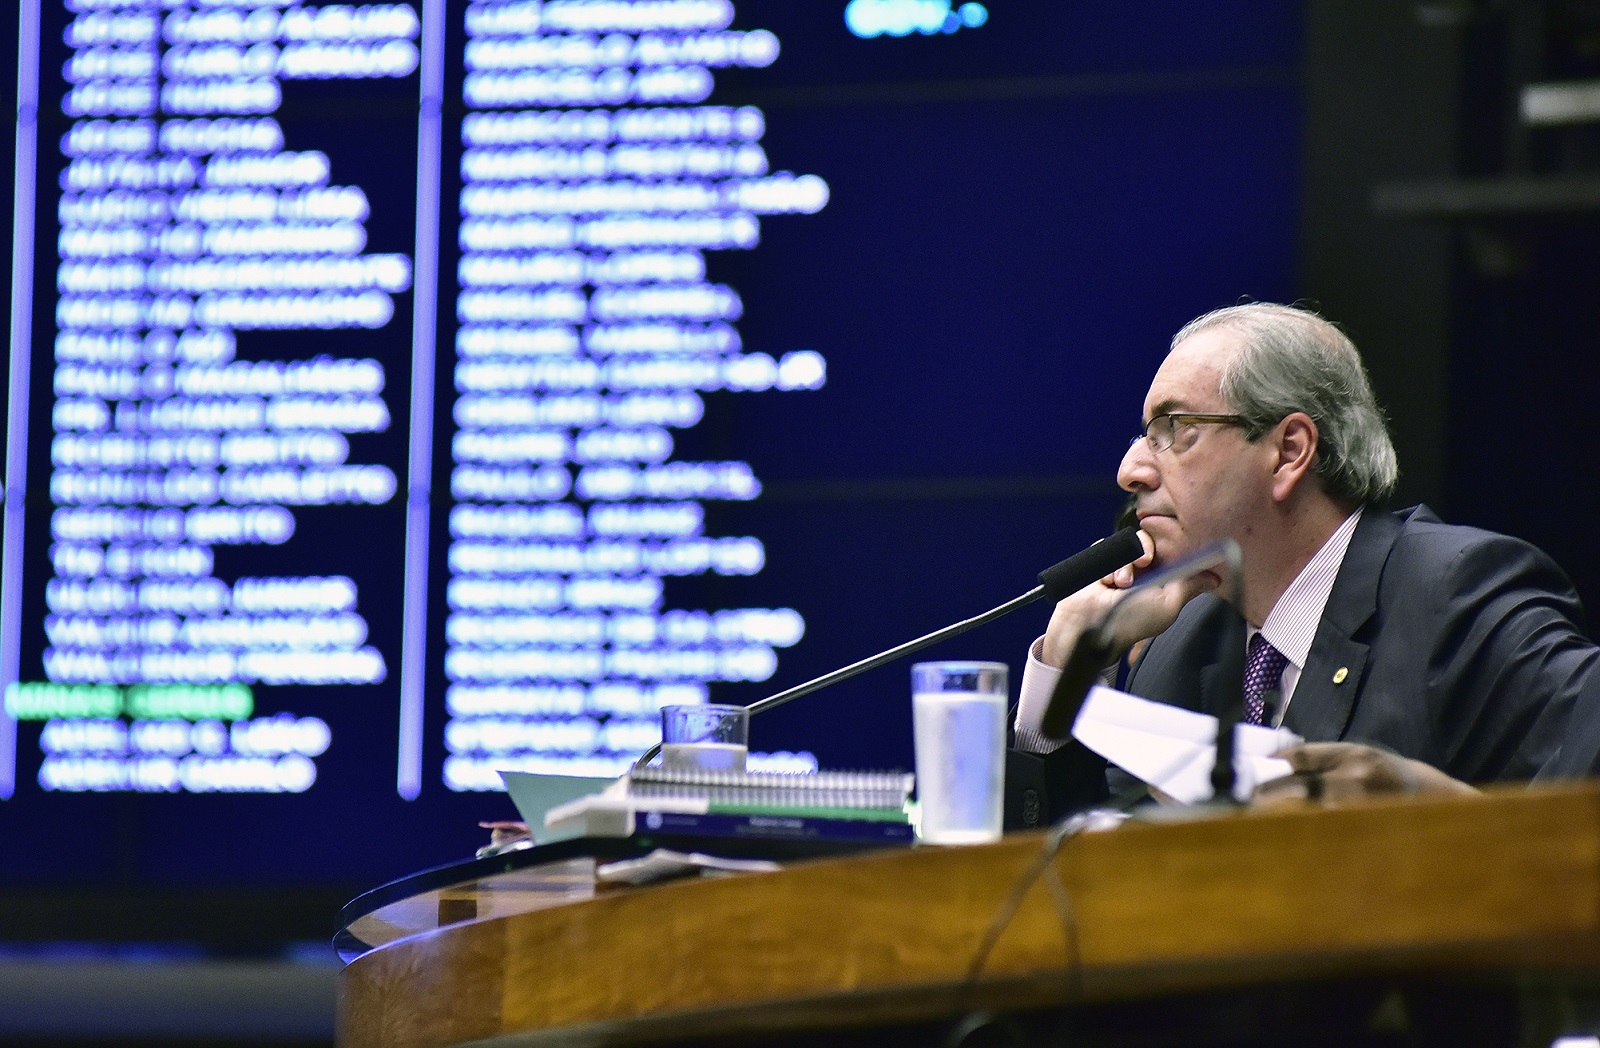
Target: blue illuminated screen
(402,392)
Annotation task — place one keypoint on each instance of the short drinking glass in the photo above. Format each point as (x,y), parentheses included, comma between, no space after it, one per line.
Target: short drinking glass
(704,737)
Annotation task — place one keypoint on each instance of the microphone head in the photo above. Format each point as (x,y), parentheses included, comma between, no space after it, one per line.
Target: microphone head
(1092,564)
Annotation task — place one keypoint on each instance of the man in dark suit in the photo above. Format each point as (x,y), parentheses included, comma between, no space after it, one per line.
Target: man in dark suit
(1336,771)
(1446,645)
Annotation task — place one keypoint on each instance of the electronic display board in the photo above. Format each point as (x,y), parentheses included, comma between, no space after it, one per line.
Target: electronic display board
(406,391)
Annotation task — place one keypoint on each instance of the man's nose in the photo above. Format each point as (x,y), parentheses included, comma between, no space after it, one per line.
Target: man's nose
(1138,470)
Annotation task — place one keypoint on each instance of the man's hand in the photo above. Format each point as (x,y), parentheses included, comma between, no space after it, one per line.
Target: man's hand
(1340,771)
(1147,615)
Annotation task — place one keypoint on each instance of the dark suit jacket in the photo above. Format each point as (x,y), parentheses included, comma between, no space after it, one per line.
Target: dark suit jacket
(1579,756)
(1455,646)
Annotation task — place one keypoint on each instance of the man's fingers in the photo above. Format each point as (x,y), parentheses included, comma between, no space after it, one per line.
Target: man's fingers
(1308,786)
(1341,771)
(1282,790)
(1126,575)
(1323,756)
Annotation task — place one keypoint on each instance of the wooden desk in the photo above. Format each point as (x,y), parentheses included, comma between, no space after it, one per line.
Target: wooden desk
(1490,889)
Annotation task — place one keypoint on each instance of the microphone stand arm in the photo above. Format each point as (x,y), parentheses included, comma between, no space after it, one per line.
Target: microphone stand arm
(927,641)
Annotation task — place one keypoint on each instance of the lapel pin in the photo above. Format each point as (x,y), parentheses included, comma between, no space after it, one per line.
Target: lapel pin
(1340,674)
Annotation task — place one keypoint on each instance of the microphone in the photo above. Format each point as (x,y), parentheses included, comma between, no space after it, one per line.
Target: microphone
(1079,570)
(1091,654)
(1090,565)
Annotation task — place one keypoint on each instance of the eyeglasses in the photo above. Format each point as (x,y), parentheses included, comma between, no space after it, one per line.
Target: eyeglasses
(1162,430)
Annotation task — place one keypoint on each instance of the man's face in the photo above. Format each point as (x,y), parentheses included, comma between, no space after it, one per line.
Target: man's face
(1211,483)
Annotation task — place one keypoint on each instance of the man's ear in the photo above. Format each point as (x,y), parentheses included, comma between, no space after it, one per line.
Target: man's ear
(1296,439)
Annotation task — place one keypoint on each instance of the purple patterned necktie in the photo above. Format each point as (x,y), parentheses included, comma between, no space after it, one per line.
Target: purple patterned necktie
(1263,672)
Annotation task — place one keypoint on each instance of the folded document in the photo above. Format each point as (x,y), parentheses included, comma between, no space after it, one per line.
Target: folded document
(1175,749)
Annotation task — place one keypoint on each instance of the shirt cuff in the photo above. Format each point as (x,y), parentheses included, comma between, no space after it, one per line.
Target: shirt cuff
(1038,684)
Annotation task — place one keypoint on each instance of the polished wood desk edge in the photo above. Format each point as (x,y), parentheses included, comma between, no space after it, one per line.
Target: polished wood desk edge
(1565,938)
(933,1002)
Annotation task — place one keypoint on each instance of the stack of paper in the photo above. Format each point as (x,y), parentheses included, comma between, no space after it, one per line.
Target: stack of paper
(1175,749)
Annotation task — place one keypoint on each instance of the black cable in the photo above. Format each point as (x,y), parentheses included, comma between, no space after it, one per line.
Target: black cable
(1053,841)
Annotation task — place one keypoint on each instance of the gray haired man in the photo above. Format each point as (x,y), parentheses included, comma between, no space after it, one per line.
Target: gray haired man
(1450,646)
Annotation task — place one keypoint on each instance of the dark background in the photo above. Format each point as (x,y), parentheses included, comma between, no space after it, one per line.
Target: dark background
(1021,214)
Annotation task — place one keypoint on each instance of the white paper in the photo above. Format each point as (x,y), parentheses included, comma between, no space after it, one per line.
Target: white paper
(663,863)
(1175,749)
(537,795)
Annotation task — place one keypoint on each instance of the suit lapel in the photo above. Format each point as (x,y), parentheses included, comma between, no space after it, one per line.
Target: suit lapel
(1325,696)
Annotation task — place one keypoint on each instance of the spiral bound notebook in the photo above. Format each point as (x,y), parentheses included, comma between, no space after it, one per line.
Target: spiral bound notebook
(822,792)
(835,805)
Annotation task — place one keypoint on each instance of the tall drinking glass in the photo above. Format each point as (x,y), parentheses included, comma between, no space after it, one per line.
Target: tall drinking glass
(958,712)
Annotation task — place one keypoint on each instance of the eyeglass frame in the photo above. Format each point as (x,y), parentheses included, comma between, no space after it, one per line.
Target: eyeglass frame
(1186,418)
